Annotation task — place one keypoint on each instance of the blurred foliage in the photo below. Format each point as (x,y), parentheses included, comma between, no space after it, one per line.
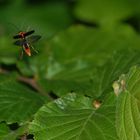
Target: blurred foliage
(86,47)
(107,13)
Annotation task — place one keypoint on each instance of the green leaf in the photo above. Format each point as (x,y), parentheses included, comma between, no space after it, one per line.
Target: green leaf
(106,12)
(17,102)
(128,106)
(73,117)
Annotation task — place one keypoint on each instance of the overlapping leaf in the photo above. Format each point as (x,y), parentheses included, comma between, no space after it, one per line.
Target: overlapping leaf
(73,117)
(128,114)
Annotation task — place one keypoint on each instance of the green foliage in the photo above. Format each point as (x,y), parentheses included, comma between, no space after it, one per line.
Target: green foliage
(83,84)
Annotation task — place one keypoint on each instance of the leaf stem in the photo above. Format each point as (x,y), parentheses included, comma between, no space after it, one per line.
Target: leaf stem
(32,82)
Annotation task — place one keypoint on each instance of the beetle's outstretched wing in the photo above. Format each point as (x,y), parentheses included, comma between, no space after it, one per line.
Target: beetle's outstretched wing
(19,42)
(33,38)
(29,33)
(17,36)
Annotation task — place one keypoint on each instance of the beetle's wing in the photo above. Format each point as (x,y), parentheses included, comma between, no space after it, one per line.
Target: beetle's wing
(33,38)
(19,42)
(17,36)
(29,32)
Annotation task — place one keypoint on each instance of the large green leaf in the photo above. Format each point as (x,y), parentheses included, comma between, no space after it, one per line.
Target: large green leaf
(75,54)
(128,115)
(17,102)
(106,12)
(73,117)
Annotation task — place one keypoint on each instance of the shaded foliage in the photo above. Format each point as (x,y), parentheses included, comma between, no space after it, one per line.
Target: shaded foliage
(83,84)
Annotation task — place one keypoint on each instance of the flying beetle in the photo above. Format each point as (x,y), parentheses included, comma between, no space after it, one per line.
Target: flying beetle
(25,41)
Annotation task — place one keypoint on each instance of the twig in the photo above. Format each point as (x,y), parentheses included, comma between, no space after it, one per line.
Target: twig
(32,82)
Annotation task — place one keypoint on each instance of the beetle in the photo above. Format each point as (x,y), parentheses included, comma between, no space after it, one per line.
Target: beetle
(26,42)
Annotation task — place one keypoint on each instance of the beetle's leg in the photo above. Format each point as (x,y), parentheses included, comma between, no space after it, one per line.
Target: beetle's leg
(21,54)
(34,49)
